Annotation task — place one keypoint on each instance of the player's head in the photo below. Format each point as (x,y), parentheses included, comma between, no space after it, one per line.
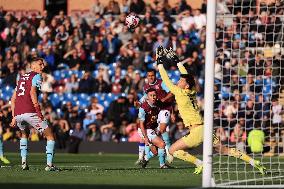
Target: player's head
(151,76)
(37,65)
(151,95)
(186,81)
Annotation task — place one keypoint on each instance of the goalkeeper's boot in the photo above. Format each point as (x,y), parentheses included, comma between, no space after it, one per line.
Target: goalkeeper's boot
(4,160)
(198,169)
(25,166)
(139,162)
(260,167)
(144,163)
(52,168)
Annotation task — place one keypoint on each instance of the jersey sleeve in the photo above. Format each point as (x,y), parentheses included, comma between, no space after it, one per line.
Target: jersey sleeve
(182,68)
(164,87)
(174,89)
(142,99)
(141,114)
(36,81)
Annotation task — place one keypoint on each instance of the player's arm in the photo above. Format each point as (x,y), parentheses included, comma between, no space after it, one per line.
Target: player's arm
(169,95)
(174,89)
(36,81)
(141,117)
(33,94)
(13,100)
(181,68)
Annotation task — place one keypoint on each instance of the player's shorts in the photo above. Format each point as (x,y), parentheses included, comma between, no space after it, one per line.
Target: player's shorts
(150,133)
(164,117)
(30,119)
(195,137)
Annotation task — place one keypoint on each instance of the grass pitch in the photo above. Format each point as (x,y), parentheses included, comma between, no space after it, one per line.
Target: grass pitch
(118,171)
(95,171)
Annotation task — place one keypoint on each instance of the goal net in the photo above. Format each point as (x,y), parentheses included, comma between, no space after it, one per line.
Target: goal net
(249,91)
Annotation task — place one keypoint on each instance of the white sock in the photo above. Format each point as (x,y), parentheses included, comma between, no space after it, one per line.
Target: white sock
(141,151)
(198,162)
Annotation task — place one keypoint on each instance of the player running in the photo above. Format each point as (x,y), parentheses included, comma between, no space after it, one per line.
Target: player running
(185,96)
(26,112)
(148,114)
(2,157)
(165,99)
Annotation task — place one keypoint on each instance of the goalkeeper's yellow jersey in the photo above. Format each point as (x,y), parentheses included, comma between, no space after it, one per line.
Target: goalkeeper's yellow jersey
(185,98)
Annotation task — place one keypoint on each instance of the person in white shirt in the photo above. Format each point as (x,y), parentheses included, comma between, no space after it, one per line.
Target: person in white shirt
(199,19)
(277,111)
(42,29)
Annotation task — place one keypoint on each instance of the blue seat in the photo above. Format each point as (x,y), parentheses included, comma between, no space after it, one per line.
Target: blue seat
(110,96)
(95,73)
(57,75)
(55,100)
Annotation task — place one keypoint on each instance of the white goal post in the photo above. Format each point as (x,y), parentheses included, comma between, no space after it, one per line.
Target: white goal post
(244,92)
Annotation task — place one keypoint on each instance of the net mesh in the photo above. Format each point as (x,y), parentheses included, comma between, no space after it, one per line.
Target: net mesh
(249,92)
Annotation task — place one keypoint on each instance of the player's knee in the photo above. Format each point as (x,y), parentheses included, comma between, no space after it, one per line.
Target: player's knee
(163,128)
(171,151)
(162,145)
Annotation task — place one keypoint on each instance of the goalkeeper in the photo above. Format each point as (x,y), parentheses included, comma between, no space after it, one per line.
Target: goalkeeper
(185,95)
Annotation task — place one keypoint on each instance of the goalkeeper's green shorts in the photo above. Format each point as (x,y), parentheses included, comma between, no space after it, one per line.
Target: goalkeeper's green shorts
(195,137)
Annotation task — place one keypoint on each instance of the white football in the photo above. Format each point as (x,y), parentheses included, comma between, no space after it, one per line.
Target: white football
(132,21)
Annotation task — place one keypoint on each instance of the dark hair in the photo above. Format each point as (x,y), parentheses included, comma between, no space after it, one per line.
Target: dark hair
(152,70)
(189,80)
(37,59)
(150,90)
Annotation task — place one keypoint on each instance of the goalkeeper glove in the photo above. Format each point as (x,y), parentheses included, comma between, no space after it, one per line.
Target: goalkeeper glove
(170,54)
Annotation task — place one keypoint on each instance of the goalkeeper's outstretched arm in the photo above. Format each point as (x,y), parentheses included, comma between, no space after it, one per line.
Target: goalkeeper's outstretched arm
(173,88)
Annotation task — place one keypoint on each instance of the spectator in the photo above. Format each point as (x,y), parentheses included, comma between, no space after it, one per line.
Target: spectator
(107,131)
(42,29)
(61,130)
(118,111)
(85,83)
(238,136)
(76,137)
(137,6)
(97,8)
(72,85)
(93,133)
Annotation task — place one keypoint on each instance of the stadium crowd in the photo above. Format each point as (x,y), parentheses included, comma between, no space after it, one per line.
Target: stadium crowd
(96,67)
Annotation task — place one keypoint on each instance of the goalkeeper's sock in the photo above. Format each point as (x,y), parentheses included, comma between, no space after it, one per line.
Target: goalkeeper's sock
(240,155)
(49,152)
(148,153)
(24,149)
(183,155)
(167,141)
(162,159)
(1,147)
(141,150)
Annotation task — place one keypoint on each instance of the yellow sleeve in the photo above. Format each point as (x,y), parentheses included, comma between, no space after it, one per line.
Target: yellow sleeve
(182,68)
(173,88)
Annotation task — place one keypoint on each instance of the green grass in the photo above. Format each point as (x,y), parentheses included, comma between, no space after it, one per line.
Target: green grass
(96,171)
(118,171)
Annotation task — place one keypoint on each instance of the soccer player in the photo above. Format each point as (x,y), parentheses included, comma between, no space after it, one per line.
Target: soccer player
(165,99)
(2,157)
(185,96)
(148,114)
(26,112)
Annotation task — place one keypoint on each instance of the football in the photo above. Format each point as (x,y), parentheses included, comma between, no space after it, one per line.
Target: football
(132,21)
